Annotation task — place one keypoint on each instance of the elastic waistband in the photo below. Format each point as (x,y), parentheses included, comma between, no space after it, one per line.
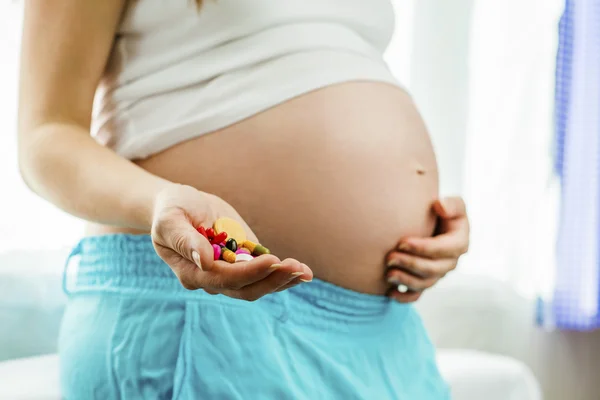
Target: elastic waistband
(128,264)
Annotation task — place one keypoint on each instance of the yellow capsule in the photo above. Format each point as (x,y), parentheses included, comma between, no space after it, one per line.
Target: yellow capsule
(231,227)
(255,248)
(248,245)
(227,255)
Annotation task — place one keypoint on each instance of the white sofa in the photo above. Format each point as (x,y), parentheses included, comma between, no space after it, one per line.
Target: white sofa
(460,317)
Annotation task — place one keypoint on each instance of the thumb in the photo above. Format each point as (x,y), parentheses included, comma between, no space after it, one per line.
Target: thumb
(450,207)
(191,245)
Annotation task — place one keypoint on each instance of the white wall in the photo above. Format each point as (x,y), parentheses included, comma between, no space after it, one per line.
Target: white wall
(439,81)
(25,219)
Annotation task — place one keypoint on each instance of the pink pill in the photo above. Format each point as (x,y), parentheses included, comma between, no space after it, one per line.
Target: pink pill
(242,250)
(216,251)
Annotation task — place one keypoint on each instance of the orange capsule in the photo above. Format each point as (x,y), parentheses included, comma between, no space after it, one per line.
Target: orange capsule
(227,255)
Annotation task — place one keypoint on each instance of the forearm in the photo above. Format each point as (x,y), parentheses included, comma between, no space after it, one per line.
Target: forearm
(63,164)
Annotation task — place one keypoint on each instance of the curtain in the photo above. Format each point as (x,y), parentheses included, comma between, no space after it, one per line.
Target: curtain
(574,304)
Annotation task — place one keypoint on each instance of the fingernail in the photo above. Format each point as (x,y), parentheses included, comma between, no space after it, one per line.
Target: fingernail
(196,258)
(275,266)
(393,263)
(296,274)
(306,280)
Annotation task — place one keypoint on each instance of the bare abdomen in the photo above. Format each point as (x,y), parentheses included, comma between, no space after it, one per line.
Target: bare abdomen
(333,178)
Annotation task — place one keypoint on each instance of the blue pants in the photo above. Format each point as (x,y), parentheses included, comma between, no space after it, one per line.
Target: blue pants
(131,331)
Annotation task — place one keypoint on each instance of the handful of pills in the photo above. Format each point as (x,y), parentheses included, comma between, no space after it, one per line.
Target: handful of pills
(229,242)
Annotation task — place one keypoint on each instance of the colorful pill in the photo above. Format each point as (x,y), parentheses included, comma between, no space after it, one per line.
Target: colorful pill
(227,255)
(402,288)
(243,257)
(232,227)
(255,248)
(202,231)
(231,244)
(249,245)
(242,250)
(219,238)
(216,251)
(210,233)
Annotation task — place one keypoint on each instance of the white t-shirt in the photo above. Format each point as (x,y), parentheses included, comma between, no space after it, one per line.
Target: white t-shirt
(176,72)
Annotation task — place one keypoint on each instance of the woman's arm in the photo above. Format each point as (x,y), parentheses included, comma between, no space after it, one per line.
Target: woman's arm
(66,45)
(65,48)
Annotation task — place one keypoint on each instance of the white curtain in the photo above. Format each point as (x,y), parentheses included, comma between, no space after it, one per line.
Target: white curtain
(482,74)
(510,183)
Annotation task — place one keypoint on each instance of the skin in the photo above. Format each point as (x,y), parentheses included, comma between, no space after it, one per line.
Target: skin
(65,48)
(60,70)
(419,263)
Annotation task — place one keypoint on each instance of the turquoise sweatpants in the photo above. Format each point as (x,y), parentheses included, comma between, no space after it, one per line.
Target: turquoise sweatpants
(131,331)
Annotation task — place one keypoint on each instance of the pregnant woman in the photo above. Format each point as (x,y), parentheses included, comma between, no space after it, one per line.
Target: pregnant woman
(278,114)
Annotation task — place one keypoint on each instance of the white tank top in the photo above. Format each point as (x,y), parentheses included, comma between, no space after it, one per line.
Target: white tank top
(176,73)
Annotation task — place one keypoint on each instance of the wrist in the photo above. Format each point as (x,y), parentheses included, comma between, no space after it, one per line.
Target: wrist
(157,192)
(174,197)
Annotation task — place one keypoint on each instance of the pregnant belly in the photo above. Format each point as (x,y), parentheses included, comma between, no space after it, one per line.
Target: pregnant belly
(333,178)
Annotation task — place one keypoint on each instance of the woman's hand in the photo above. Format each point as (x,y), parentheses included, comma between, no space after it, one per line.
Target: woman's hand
(419,263)
(178,211)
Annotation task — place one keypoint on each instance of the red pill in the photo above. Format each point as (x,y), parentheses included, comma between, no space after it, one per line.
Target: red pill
(202,231)
(219,238)
(210,232)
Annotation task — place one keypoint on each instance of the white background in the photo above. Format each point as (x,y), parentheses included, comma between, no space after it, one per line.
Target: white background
(25,220)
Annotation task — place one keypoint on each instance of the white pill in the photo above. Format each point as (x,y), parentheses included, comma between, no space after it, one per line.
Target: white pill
(243,257)
(401,288)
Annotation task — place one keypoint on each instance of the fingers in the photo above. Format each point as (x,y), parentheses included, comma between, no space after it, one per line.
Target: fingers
(240,275)
(452,238)
(224,275)
(451,244)
(396,277)
(291,284)
(178,234)
(301,279)
(418,263)
(408,297)
(290,270)
(422,268)
(450,207)
(244,280)
(197,267)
